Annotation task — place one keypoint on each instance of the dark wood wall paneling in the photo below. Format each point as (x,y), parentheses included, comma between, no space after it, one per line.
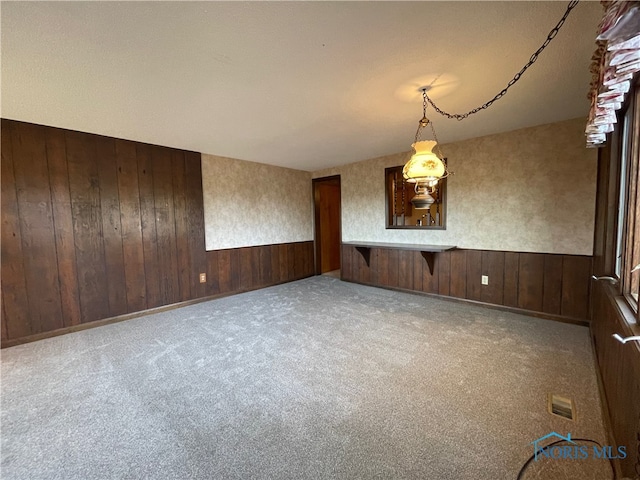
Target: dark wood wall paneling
(618,364)
(556,285)
(619,367)
(95,227)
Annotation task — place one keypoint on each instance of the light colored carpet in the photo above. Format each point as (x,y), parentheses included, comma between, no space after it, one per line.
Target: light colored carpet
(333,273)
(309,380)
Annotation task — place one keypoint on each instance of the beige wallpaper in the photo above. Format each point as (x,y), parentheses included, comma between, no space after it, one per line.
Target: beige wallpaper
(248,203)
(529,190)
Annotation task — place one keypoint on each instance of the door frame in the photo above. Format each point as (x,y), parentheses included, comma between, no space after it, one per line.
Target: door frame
(316,219)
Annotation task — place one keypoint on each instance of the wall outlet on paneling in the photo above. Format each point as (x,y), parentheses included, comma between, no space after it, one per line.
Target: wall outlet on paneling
(203,278)
(485,279)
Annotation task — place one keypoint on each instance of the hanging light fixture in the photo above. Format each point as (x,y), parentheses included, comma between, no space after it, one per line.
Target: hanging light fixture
(425,167)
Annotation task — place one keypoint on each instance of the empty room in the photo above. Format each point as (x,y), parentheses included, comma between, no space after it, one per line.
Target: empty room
(320,240)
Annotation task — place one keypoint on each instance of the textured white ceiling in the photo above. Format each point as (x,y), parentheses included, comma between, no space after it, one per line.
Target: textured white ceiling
(306,85)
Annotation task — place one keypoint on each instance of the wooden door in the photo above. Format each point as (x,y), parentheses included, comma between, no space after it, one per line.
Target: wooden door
(326,194)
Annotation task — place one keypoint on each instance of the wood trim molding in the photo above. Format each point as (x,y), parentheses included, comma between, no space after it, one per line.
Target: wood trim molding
(521,311)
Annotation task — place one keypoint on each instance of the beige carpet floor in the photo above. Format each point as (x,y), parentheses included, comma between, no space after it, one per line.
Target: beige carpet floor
(315,379)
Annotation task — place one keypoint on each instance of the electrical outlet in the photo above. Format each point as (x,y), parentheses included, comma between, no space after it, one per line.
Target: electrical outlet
(485,279)
(203,278)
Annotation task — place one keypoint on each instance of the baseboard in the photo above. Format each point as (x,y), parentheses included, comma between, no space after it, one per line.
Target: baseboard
(129,316)
(532,313)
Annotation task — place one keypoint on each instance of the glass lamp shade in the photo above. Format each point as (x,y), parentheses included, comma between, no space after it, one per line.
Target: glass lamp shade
(424,164)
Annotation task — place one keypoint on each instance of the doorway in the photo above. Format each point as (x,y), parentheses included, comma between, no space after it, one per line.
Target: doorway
(326,199)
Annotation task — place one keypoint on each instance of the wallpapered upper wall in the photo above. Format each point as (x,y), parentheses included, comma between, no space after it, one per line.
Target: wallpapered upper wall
(529,190)
(249,204)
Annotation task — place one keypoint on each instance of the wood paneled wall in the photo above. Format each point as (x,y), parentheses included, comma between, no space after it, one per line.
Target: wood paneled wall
(619,368)
(96,227)
(555,285)
(618,364)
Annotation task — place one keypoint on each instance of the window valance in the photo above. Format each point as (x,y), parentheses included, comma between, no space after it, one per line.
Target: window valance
(613,66)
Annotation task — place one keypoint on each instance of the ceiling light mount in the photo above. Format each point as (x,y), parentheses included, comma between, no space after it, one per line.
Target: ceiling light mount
(424,121)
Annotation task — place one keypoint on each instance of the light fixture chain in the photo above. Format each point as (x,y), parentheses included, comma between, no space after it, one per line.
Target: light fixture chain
(554,31)
(435,137)
(424,121)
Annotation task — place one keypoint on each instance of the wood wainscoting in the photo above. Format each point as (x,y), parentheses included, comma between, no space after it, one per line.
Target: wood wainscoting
(618,365)
(619,371)
(548,285)
(95,227)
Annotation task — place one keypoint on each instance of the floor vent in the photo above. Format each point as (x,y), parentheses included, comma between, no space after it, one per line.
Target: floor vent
(561,406)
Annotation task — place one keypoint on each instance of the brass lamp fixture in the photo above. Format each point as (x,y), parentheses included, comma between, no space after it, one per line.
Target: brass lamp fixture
(425,167)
